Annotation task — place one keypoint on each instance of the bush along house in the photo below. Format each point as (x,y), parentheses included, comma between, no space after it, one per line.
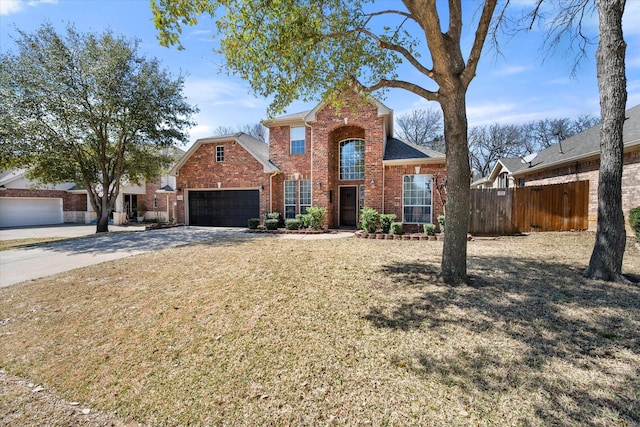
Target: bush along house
(342,159)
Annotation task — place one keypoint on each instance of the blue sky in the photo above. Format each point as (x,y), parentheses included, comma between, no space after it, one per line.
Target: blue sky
(521,85)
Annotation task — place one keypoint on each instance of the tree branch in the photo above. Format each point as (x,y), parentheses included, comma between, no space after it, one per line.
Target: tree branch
(481,34)
(399,84)
(396,48)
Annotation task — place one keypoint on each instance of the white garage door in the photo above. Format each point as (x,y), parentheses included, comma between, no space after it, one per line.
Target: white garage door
(22,211)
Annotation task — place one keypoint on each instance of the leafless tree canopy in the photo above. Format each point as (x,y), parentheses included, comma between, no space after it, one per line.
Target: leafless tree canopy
(256,130)
(487,144)
(422,127)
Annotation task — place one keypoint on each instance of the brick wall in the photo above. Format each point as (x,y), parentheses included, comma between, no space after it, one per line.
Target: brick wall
(333,126)
(165,202)
(589,170)
(393,178)
(239,170)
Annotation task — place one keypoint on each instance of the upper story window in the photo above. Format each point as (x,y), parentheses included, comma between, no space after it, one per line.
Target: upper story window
(220,153)
(297,139)
(352,159)
(503,180)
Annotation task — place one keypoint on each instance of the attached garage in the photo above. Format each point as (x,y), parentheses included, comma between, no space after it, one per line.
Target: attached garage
(25,211)
(223,208)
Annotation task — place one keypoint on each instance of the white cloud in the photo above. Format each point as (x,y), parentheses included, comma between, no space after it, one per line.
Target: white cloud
(510,70)
(8,7)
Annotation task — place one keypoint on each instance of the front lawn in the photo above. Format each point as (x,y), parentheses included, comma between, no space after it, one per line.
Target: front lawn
(273,331)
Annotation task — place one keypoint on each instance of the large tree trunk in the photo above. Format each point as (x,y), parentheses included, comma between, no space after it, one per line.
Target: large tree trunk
(454,253)
(608,251)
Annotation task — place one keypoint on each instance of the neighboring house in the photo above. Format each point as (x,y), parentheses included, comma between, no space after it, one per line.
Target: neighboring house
(576,158)
(339,159)
(24,202)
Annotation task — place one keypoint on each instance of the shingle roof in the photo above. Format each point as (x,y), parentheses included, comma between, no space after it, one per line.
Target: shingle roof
(582,145)
(398,149)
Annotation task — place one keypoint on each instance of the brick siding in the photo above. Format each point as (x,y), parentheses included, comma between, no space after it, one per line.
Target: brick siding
(239,170)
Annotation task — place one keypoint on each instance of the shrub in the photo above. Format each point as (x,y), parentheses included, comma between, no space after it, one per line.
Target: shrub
(429,229)
(441,222)
(369,219)
(271,223)
(254,223)
(396,228)
(316,216)
(275,215)
(305,220)
(385,222)
(634,221)
(292,224)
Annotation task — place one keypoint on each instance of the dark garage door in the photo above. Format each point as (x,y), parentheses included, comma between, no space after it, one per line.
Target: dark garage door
(225,208)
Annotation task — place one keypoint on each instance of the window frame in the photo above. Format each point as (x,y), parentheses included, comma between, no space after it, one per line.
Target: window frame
(304,195)
(219,153)
(297,142)
(428,206)
(354,172)
(288,198)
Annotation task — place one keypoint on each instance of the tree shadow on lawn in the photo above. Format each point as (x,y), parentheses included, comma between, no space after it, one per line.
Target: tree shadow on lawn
(551,316)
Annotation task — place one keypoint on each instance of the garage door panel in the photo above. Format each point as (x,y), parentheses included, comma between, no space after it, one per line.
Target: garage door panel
(224,208)
(23,211)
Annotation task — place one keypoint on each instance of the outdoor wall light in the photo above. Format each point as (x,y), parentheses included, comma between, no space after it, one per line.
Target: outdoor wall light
(319,184)
(372,182)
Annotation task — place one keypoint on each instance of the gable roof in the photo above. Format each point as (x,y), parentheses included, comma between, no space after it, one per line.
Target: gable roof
(309,116)
(258,149)
(399,152)
(578,147)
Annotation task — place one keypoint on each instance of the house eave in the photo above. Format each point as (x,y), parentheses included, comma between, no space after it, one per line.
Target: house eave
(586,156)
(414,161)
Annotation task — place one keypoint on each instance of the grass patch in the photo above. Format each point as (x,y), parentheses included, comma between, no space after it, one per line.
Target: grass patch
(22,243)
(349,332)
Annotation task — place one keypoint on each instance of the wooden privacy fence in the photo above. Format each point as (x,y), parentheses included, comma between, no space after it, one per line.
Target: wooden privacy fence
(555,207)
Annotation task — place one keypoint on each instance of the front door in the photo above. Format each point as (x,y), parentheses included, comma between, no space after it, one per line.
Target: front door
(348,207)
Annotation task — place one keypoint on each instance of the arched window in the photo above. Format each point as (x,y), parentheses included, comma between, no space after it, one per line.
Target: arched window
(352,159)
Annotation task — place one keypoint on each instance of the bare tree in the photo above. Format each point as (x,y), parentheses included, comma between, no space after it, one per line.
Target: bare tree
(422,127)
(487,144)
(608,251)
(257,131)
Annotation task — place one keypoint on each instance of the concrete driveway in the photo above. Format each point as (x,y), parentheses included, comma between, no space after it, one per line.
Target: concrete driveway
(87,248)
(18,265)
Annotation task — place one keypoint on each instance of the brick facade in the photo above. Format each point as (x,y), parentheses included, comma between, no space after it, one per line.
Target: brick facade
(238,171)
(325,128)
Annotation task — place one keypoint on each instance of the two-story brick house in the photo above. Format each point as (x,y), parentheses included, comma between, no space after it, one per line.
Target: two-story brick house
(342,159)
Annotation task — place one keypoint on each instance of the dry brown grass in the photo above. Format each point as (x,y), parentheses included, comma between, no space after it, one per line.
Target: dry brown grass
(271,331)
(21,243)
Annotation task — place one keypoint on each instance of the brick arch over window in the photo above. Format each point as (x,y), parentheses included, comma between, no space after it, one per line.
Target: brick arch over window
(335,136)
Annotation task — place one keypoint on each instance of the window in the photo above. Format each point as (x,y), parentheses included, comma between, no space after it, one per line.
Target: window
(305,195)
(352,159)
(416,199)
(296,200)
(503,182)
(361,198)
(290,199)
(220,153)
(298,140)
